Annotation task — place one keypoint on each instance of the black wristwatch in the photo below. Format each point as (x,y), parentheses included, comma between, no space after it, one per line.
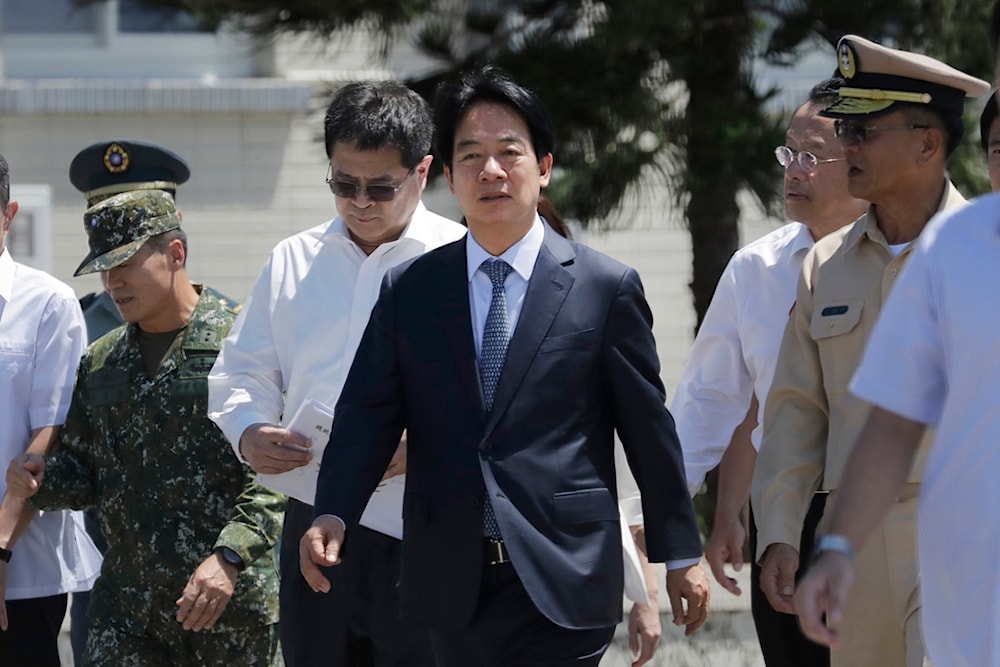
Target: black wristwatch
(5,554)
(231,557)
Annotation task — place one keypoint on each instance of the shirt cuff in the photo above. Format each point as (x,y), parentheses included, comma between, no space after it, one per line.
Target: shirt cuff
(682,563)
(334,516)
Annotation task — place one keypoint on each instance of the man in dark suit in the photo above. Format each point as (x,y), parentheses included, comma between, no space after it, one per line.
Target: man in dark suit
(510,357)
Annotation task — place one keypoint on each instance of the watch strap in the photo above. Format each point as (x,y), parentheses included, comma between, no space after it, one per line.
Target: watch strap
(5,554)
(835,543)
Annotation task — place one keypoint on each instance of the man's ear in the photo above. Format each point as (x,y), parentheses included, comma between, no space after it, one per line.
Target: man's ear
(934,142)
(8,214)
(176,253)
(545,169)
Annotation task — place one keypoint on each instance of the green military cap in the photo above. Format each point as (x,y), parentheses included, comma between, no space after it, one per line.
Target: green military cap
(878,77)
(110,167)
(118,227)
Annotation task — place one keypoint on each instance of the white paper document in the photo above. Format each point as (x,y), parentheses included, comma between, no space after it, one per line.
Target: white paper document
(314,420)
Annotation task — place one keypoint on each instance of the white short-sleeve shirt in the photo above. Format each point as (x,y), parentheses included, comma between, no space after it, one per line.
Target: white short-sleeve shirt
(42,336)
(934,357)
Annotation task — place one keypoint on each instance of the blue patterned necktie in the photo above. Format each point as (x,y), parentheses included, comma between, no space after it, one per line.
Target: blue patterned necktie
(496,335)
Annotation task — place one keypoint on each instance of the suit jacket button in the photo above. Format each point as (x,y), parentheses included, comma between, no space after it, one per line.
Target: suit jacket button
(473,502)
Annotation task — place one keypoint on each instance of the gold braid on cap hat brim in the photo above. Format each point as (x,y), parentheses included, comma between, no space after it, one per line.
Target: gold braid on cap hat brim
(894,95)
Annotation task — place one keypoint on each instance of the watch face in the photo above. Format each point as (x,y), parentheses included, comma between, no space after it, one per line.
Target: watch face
(231,557)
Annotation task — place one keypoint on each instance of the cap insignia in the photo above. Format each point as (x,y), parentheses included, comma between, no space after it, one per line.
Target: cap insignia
(847,62)
(116,159)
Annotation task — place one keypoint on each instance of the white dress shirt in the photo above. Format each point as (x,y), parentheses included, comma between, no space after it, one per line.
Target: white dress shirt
(42,336)
(298,331)
(934,357)
(736,349)
(521,257)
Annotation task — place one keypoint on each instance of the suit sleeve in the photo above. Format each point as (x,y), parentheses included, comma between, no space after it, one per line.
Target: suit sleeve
(792,455)
(646,427)
(368,419)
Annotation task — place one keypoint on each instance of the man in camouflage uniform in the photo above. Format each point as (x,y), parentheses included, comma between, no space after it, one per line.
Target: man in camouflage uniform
(189,577)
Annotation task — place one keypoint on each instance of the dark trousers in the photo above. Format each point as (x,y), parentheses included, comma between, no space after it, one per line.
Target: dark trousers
(781,640)
(357,623)
(32,636)
(509,631)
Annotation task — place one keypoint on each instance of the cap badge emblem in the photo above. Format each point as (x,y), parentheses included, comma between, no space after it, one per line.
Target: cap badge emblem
(847,61)
(116,159)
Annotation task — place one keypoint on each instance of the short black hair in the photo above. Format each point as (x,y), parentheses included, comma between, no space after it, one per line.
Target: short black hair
(453,101)
(379,114)
(826,91)
(4,182)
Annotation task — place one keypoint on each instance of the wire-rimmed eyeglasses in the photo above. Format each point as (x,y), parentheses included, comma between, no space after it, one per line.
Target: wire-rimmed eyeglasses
(856,131)
(808,161)
(381,192)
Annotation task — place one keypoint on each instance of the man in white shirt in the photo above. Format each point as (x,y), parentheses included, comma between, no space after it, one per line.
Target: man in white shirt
(295,340)
(42,336)
(732,359)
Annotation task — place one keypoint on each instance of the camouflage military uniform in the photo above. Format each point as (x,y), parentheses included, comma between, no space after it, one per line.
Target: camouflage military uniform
(168,491)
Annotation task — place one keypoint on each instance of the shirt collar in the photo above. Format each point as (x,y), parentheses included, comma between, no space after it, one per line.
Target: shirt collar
(7,269)
(802,241)
(521,256)
(418,230)
(867,226)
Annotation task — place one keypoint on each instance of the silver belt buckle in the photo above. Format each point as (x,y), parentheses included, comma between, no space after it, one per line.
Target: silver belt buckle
(496,552)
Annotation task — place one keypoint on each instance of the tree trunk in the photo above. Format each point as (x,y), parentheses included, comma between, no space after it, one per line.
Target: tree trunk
(716,85)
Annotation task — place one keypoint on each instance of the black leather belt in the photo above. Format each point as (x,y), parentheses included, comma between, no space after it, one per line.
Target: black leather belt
(496,552)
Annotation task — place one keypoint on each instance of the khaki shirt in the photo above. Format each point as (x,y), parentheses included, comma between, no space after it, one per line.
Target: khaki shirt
(811,420)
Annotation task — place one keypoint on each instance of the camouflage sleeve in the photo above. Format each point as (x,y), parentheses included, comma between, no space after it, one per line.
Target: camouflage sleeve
(70,479)
(255,524)
(68,484)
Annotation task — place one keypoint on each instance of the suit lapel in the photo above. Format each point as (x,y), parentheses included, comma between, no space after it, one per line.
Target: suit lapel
(456,319)
(547,290)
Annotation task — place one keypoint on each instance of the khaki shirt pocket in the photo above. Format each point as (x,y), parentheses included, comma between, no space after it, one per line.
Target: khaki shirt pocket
(840,341)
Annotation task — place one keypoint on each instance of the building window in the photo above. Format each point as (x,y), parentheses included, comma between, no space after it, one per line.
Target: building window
(133,16)
(30,238)
(47,16)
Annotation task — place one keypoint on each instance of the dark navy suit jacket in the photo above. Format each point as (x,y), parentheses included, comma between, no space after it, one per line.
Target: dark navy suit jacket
(581,363)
